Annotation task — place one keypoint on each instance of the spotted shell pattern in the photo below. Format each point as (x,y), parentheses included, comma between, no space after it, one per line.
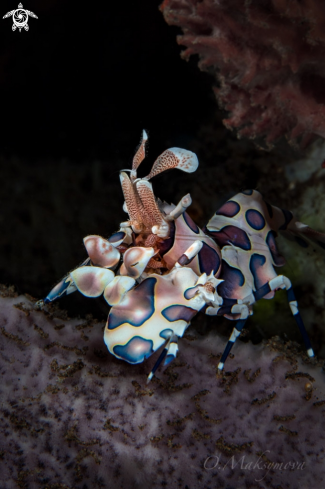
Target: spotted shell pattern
(245,228)
(186,232)
(149,314)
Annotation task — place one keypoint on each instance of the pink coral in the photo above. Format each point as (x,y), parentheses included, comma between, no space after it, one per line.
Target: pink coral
(268,57)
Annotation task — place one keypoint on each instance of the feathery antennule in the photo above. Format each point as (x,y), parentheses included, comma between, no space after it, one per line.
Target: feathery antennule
(152,213)
(174,158)
(132,201)
(139,155)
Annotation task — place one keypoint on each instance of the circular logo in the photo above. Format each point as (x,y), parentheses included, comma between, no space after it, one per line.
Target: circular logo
(20,18)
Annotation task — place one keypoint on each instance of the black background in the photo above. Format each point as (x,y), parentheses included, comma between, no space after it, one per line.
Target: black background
(86,78)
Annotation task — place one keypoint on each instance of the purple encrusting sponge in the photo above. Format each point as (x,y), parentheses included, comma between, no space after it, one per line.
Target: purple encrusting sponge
(75,417)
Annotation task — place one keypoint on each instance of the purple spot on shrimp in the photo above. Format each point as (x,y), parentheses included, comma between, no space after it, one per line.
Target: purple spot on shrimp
(256,263)
(287,218)
(233,235)
(116,237)
(190,293)
(247,192)
(167,243)
(255,219)
(169,359)
(229,209)
(191,224)
(139,308)
(184,260)
(209,260)
(135,351)
(233,280)
(59,290)
(177,312)
(166,333)
(278,259)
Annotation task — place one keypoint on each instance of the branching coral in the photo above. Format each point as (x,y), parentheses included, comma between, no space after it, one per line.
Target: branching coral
(268,58)
(73,416)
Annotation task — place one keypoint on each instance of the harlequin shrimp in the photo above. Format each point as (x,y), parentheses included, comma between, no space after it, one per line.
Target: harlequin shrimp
(160,269)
